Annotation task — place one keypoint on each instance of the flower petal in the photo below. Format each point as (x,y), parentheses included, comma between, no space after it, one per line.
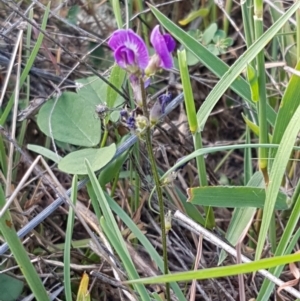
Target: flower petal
(132,41)
(170,42)
(159,43)
(124,57)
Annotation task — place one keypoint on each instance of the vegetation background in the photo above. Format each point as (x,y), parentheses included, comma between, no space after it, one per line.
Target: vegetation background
(86,214)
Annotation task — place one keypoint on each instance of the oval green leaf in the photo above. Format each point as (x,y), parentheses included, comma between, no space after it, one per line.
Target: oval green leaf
(11,288)
(70,119)
(45,152)
(74,163)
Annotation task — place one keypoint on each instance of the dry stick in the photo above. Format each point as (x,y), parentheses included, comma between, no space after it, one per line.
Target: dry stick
(9,70)
(239,260)
(85,34)
(12,27)
(271,3)
(196,228)
(20,186)
(240,276)
(14,120)
(197,260)
(220,4)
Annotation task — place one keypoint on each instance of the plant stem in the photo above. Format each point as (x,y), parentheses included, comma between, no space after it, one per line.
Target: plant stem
(158,187)
(104,138)
(247,21)
(228,7)
(193,126)
(262,104)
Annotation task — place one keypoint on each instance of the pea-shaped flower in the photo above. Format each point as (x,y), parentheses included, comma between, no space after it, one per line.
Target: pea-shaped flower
(163,45)
(159,106)
(130,51)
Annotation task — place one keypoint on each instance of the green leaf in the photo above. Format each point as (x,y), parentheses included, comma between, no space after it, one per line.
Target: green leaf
(253,81)
(112,169)
(220,35)
(253,127)
(191,59)
(241,217)
(11,288)
(209,33)
(234,197)
(45,152)
(71,119)
(116,78)
(93,90)
(202,12)
(96,57)
(72,15)
(74,163)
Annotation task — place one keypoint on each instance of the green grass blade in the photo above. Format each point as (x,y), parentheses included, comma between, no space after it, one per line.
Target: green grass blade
(240,65)
(114,233)
(221,271)
(288,105)
(193,124)
(209,150)
(187,92)
(286,41)
(20,255)
(276,177)
(248,168)
(67,250)
(117,12)
(214,64)
(144,241)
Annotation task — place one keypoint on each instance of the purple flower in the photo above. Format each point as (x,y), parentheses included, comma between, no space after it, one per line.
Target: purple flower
(131,123)
(163,45)
(124,113)
(164,100)
(159,106)
(130,50)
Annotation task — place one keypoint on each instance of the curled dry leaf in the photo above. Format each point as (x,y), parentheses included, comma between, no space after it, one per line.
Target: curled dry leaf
(295,271)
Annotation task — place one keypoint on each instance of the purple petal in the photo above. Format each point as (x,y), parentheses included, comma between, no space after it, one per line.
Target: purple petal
(129,39)
(170,42)
(124,57)
(117,39)
(159,43)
